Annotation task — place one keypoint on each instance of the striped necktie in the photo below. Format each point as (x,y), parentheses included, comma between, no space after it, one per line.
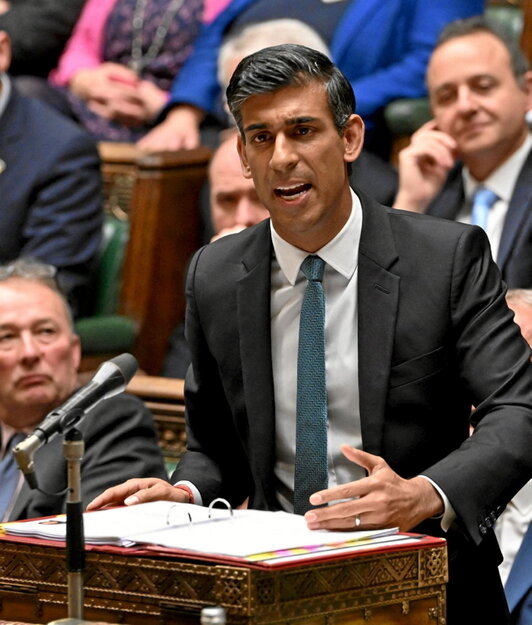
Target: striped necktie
(9,474)
(311,472)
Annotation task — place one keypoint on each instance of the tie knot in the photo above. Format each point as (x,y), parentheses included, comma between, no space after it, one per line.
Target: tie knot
(312,268)
(484,197)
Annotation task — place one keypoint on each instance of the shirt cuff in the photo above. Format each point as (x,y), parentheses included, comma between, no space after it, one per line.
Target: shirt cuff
(449,515)
(196,497)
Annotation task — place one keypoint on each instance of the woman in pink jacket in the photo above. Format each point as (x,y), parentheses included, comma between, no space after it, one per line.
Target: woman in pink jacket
(123,55)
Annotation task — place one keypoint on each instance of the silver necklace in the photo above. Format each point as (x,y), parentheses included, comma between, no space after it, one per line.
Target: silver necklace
(138,59)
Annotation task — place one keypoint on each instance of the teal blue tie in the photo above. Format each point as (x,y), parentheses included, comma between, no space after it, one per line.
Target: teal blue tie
(483,200)
(311,422)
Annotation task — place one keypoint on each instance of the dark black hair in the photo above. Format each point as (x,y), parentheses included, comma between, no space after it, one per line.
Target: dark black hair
(276,67)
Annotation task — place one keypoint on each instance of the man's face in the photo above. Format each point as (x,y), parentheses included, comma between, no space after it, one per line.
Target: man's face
(39,354)
(297,160)
(476,98)
(234,201)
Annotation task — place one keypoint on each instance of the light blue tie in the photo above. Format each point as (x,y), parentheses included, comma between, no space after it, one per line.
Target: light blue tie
(9,473)
(519,582)
(311,423)
(483,200)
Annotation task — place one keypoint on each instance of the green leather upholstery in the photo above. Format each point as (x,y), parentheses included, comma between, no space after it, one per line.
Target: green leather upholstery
(405,116)
(104,331)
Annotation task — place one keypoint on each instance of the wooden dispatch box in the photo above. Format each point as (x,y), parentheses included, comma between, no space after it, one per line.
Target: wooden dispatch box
(403,585)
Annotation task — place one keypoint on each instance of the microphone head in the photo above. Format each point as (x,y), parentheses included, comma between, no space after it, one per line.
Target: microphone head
(127,364)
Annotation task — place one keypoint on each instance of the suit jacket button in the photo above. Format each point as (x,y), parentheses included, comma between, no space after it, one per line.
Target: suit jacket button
(482,529)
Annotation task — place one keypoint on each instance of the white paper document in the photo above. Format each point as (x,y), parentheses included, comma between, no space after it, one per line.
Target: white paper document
(239,533)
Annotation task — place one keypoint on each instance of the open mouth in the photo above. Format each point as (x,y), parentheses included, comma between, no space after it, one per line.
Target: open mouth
(293,192)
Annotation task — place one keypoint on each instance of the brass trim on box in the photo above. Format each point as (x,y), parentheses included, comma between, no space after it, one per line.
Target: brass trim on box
(355,590)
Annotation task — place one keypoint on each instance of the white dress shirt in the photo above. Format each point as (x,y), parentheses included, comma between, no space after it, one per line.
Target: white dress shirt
(341,352)
(511,527)
(502,182)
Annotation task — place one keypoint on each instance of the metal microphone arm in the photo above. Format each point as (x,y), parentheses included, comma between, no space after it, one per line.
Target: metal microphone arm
(111,378)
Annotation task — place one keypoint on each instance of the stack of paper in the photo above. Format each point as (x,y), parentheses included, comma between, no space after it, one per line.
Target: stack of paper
(250,534)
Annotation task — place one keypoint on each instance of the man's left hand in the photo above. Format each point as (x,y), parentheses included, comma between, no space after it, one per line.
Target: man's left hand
(382,499)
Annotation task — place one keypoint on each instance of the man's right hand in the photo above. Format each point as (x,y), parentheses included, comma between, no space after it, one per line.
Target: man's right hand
(139,490)
(423,167)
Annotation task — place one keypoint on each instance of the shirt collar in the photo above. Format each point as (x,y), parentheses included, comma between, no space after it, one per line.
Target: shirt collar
(502,180)
(7,432)
(341,253)
(5,92)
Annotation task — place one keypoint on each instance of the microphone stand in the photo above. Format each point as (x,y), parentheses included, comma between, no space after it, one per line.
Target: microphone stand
(73,449)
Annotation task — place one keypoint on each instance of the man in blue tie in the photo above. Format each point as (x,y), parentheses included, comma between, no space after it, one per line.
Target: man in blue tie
(410,309)
(473,161)
(514,527)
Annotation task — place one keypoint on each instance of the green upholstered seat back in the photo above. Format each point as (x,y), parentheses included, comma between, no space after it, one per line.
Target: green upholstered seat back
(108,272)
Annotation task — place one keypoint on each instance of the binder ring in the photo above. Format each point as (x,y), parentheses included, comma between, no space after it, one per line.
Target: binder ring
(170,510)
(220,500)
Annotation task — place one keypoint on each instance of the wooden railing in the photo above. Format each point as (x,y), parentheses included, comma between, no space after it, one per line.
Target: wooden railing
(159,193)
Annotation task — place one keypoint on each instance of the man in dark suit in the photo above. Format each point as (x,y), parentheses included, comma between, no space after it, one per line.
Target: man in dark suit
(414,307)
(480,91)
(39,357)
(50,187)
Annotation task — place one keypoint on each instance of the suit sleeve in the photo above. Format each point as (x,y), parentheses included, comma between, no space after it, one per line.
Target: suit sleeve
(65,217)
(215,460)
(494,366)
(120,443)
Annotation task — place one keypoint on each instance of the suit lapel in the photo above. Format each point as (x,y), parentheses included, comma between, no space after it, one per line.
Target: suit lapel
(12,118)
(378,295)
(448,203)
(253,313)
(21,503)
(11,126)
(518,211)
(25,499)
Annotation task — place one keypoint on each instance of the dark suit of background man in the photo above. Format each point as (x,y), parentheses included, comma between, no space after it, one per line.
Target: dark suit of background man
(39,30)
(480,90)
(39,358)
(50,187)
(417,331)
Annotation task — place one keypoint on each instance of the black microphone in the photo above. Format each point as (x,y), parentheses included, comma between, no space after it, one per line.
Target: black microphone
(111,378)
